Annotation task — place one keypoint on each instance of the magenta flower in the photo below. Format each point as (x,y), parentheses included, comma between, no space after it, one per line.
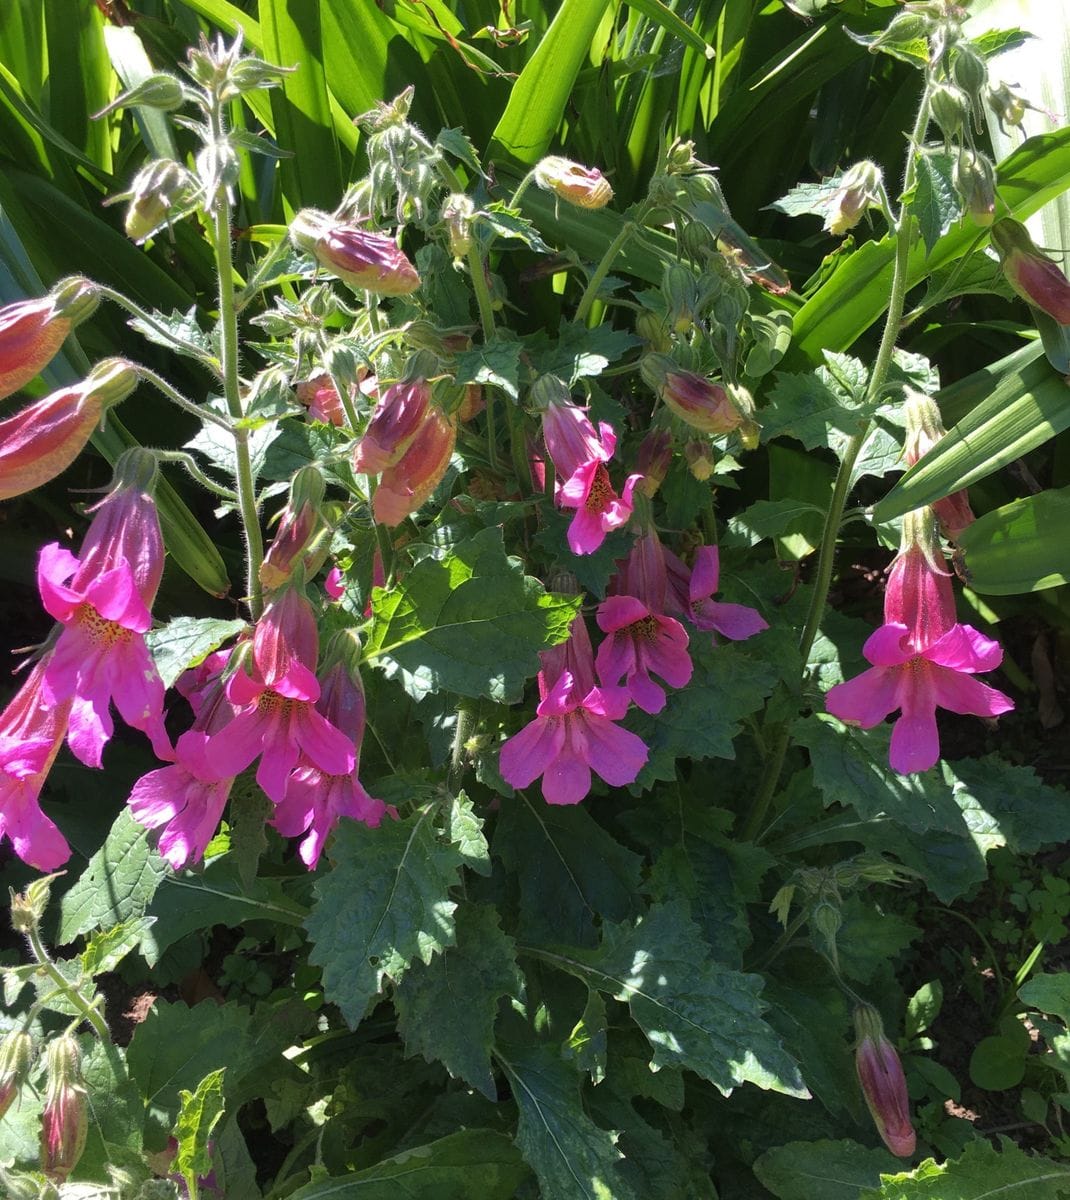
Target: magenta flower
(316,800)
(573,732)
(335,584)
(366,260)
(396,421)
(408,484)
(276,701)
(922,660)
(880,1075)
(641,643)
(736,622)
(31,733)
(102,599)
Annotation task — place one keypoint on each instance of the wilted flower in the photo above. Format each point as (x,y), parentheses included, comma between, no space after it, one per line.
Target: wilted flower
(924,430)
(45,437)
(692,594)
(406,485)
(157,188)
(1031,274)
(654,460)
(320,397)
(398,416)
(859,189)
(32,331)
(65,1119)
(367,261)
(699,402)
(975,181)
(586,187)
(573,732)
(884,1086)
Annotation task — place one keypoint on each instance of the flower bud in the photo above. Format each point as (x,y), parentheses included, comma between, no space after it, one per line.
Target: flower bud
(1031,274)
(302,536)
(950,106)
(975,181)
(365,260)
(859,189)
(156,189)
(398,416)
(680,289)
(924,430)
(408,483)
(457,214)
(884,1086)
(160,91)
(653,461)
(321,398)
(16,1058)
(473,402)
(45,437)
(654,331)
(699,402)
(585,187)
(65,1121)
(32,331)
(969,69)
(700,460)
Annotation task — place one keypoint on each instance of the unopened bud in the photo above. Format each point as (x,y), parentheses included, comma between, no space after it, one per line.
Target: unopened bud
(697,401)
(680,289)
(156,190)
(160,91)
(859,189)
(28,907)
(1031,274)
(924,429)
(365,260)
(654,330)
(65,1120)
(653,461)
(950,106)
(880,1074)
(975,181)
(16,1058)
(700,460)
(586,187)
(457,215)
(969,69)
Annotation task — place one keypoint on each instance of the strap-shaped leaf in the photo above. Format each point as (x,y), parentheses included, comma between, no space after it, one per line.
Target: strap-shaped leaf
(1022,547)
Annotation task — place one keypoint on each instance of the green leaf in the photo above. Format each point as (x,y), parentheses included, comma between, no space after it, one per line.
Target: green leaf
(998,1063)
(468,620)
(573,1158)
(446,1008)
(385,903)
(1029,405)
(821,408)
(106,950)
(702,720)
(767,518)
(981,1173)
(508,223)
(1022,547)
(935,201)
(474,1164)
(497,364)
(809,198)
(1048,993)
(569,869)
(199,1112)
(118,883)
(186,642)
(695,1012)
(831,1170)
(923,1008)
(580,352)
(174,1048)
(114,1111)
(466,833)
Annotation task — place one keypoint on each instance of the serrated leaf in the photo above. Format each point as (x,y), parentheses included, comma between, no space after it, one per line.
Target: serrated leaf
(106,950)
(585,1045)
(457,143)
(813,198)
(767,519)
(474,1164)
(580,352)
(496,363)
(508,223)
(385,904)
(186,642)
(935,201)
(695,1012)
(818,406)
(446,1008)
(831,1170)
(199,1112)
(573,1158)
(114,1110)
(981,1173)
(469,621)
(175,331)
(118,883)
(466,833)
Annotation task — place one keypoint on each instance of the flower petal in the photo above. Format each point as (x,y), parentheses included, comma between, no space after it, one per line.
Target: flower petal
(887,646)
(616,754)
(963,694)
(867,699)
(736,622)
(962,648)
(527,754)
(915,743)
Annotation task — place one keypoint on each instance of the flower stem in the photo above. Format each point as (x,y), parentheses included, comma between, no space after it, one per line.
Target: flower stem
(196,474)
(202,356)
(602,270)
(88,1010)
(197,410)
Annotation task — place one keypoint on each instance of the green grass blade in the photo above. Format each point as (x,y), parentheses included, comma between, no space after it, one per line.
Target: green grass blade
(79,76)
(1022,547)
(657,12)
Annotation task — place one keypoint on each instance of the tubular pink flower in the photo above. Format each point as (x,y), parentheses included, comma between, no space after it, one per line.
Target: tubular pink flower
(880,1074)
(335,583)
(31,733)
(571,440)
(315,800)
(641,643)
(736,622)
(367,261)
(32,331)
(598,507)
(408,484)
(1031,274)
(922,660)
(573,732)
(398,418)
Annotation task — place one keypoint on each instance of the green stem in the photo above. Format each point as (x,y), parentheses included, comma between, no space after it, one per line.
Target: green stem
(348,407)
(88,1010)
(780,945)
(844,476)
(602,270)
(259,280)
(228,353)
(202,356)
(187,461)
(521,188)
(197,410)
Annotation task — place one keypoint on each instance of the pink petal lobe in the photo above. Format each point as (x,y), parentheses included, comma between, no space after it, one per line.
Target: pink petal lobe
(887,646)
(915,743)
(736,622)
(962,648)
(867,699)
(963,694)
(55,566)
(705,574)
(616,754)
(529,753)
(615,612)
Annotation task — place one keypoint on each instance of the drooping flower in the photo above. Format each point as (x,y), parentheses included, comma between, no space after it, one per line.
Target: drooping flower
(642,640)
(276,696)
(103,599)
(573,732)
(586,187)
(1031,274)
(316,800)
(397,419)
(880,1074)
(367,261)
(693,593)
(699,402)
(320,397)
(65,1119)
(302,536)
(924,430)
(31,733)
(32,331)
(923,659)
(45,437)
(406,485)
(859,189)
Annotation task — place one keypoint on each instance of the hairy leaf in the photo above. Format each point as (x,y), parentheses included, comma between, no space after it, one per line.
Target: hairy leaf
(186,642)
(981,1173)
(831,1170)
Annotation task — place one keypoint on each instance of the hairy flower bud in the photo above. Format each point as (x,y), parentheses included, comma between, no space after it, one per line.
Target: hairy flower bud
(45,437)
(156,190)
(1031,274)
(32,331)
(884,1086)
(950,106)
(924,430)
(975,181)
(457,215)
(302,536)
(16,1058)
(409,482)
(365,260)
(653,461)
(699,402)
(65,1120)
(859,189)
(586,187)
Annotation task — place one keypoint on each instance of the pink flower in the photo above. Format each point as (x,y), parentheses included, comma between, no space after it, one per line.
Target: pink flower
(1031,274)
(408,484)
(367,261)
(276,701)
(641,643)
(573,732)
(736,622)
(32,331)
(397,419)
(31,733)
(45,437)
(571,440)
(102,600)
(880,1074)
(320,397)
(922,660)
(316,800)
(335,583)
